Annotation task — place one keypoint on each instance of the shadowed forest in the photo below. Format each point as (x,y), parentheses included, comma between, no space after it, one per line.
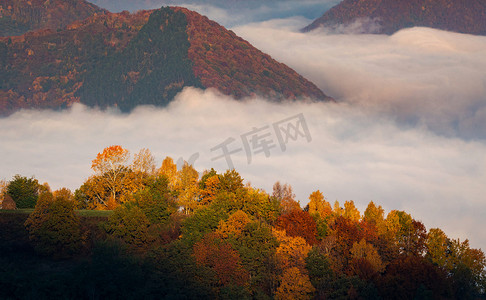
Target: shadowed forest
(133,230)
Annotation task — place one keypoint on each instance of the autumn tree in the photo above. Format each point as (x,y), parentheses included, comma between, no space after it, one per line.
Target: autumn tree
(110,164)
(3,190)
(209,189)
(295,285)
(221,258)
(286,197)
(187,188)
(365,260)
(292,251)
(375,215)
(96,192)
(351,212)
(408,234)
(169,169)
(232,227)
(298,223)
(144,162)
(318,205)
(63,193)
(8,202)
(337,209)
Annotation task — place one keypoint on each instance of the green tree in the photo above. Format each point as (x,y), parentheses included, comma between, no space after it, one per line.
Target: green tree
(54,228)
(156,201)
(24,191)
(129,224)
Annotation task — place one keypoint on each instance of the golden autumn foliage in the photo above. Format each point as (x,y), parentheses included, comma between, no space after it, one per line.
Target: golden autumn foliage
(351,212)
(375,215)
(318,205)
(187,188)
(294,285)
(234,225)
(208,194)
(292,251)
(144,162)
(169,169)
(366,251)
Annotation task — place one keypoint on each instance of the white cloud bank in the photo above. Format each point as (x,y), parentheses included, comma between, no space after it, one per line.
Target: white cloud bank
(420,76)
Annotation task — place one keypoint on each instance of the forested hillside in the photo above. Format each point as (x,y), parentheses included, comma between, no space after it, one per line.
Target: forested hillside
(389,16)
(126,60)
(175,233)
(20,16)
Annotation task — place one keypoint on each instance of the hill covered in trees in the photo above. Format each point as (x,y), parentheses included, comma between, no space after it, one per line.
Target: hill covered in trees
(175,233)
(126,60)
(20,16)
(389,16)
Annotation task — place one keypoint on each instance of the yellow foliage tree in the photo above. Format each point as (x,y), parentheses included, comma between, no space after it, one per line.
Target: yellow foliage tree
(169,169)
(437,248)
(292,251)
(351,212)
(3,189)
(188,188)
(110,165)
(234,225)
(366,251)
(318,205)
(144,162)
(375,215)
(295,285)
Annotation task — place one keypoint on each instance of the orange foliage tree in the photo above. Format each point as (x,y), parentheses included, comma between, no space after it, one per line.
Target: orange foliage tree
(221,258)
(298,223)
(110,164)
(292,251)
(295,285)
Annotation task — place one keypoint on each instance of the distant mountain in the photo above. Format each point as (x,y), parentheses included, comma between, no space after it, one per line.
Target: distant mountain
(126,60)
(20,16)
(389,16)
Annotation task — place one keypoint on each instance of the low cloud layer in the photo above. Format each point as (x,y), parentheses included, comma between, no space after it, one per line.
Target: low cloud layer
(349,155)
(419,76)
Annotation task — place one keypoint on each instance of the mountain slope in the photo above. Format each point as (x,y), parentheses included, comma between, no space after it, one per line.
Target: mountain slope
(127,60)
(463,16)
(20,16)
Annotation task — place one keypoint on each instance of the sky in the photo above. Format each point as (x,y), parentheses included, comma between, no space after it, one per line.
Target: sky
(408,130)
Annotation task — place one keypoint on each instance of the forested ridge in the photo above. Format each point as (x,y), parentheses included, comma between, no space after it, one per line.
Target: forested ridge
(389,16)
(134,230)
(20,16)
(147,57)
